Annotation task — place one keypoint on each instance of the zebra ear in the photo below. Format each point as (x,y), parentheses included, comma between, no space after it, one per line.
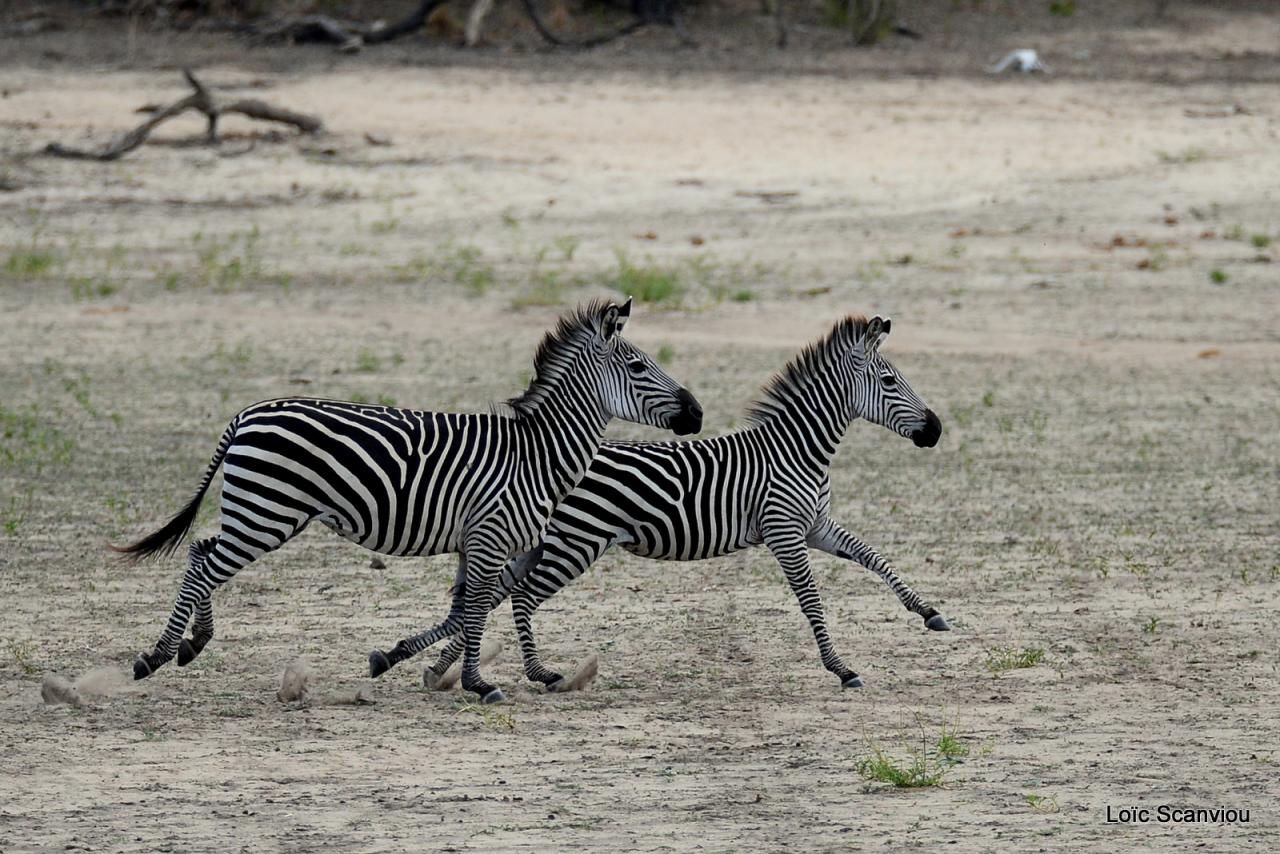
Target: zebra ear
(624,313)
(877,331)
(869,341)
(609,325)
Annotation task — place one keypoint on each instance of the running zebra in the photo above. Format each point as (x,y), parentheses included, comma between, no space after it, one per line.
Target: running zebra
(409,482)
(766,484)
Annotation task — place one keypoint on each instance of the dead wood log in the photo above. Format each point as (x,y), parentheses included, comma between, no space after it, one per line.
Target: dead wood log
(203,101)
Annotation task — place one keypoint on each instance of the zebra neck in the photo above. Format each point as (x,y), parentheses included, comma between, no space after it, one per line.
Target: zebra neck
(812,423)
(562,436)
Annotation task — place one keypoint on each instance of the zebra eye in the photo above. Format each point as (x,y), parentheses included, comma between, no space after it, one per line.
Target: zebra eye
(636,367)
(888,380)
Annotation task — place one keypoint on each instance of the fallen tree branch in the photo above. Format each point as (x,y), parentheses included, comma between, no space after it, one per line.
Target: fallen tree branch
(203,101)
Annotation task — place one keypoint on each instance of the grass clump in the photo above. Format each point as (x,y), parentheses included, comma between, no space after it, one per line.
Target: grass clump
(1004,658)
(926,766)
(647,283)
(29,263)
(1217,277)
(492,717)
(1042,803)
(21,652)
(24,438)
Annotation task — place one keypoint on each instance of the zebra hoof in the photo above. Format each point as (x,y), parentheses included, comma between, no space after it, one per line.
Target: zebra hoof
(557,686)
(141,670)
(378,663)
(187,652)
(494,696)
(937,623)
(854,681)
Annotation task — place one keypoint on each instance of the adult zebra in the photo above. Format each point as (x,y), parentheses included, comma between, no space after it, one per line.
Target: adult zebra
(766,484)
(409,482)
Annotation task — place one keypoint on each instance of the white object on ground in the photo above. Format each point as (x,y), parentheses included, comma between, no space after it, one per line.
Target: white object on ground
(1024,60)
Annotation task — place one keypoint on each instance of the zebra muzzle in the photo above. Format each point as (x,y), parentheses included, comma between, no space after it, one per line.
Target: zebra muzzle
(689,419)
(928,435)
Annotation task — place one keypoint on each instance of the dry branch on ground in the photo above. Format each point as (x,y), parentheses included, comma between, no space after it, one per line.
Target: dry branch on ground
(203,101)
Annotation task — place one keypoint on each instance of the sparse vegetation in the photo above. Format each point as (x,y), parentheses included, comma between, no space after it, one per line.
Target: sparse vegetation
(1217,277)
(492,716)
(21,652)
(25,439)
(1042,803)
(926,763)
(1187,155)
(1003,658)
(647,283)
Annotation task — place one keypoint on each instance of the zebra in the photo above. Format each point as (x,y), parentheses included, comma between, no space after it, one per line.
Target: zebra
(765,484)
(412,482)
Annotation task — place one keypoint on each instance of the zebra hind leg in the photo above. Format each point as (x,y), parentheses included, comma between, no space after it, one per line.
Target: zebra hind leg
(202,623)
(218,565)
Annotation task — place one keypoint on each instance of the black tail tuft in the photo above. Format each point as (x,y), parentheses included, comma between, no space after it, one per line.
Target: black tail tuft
(165,541)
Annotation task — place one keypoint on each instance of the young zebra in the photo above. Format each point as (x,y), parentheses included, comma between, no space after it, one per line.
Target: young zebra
(409,482)
(766,484)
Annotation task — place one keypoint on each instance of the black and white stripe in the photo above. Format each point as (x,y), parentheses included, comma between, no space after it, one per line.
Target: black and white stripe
(765,485)
(410,482)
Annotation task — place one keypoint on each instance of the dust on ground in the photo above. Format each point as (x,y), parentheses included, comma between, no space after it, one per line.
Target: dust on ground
(1082,282)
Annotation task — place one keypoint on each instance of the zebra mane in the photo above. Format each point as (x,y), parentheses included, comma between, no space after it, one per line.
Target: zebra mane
(804,367)
(558,348)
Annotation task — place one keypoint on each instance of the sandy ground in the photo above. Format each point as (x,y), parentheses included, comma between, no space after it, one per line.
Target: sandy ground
(1081,279)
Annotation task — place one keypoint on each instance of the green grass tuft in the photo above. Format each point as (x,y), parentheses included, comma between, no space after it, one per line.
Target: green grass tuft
(1003,658)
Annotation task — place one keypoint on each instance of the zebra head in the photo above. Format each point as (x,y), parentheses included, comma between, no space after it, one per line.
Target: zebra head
(634,387)
(883,396)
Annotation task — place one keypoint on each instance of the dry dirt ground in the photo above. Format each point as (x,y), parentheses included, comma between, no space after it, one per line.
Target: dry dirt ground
(1081,279)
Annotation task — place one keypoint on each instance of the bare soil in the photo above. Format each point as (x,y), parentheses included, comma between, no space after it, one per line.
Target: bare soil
(1080,273)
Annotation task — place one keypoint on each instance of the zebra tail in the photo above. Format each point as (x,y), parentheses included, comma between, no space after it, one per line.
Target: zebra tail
(166,540)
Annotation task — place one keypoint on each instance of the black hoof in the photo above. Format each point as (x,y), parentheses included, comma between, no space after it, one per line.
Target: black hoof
(854,681)
(141,670)
(937,623)
(378,663)
(494,696)
(556,686)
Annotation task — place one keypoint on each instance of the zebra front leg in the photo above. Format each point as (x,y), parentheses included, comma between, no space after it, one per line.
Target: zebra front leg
(513,573)
(483,566)
(523,604)
(788,548)
(835,540)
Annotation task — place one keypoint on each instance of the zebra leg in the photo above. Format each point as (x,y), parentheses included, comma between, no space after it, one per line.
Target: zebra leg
(523,604)
(835,540)
(234,549)
(512,575)
(380,662)
(431,675)
(790,552)
(565,556)
(484,563)
(202,624)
